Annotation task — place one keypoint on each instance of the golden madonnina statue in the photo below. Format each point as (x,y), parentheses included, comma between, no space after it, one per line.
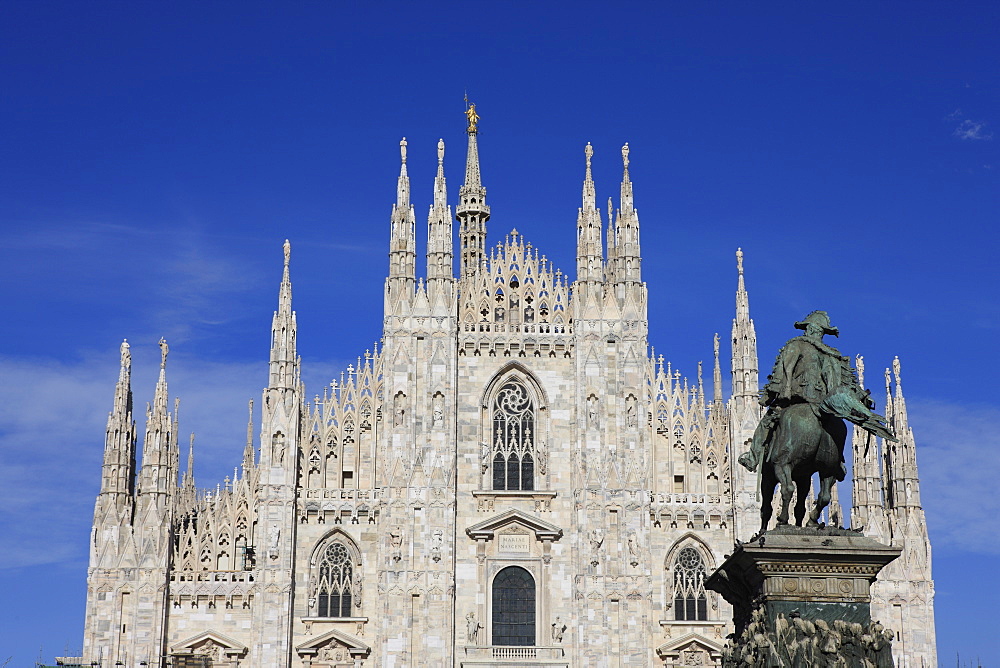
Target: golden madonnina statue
(470,113)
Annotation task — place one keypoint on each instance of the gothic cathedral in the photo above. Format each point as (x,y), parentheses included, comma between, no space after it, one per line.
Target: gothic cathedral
(511,479)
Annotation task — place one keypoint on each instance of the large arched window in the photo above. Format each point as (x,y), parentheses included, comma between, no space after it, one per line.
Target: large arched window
(690,601)
(513,437)
(514,607)
(334,589)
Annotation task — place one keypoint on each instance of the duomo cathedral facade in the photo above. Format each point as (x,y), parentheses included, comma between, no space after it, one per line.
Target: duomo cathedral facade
(512,478)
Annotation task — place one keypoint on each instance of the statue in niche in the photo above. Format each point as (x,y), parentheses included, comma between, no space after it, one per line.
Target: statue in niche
(596,541)
(558,629)
(273,541)
(485,457)
(278,449)
(398,411)
(396,543)
(592,405)
(809,394)
(630,412)
(437,542)
(438,411)
(472,627)
(633,549)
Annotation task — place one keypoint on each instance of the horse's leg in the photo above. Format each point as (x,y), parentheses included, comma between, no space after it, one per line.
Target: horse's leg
(784,473)
(822,499)
(801,492)
(767,483)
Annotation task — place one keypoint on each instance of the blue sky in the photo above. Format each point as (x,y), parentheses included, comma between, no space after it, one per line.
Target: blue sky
(155,156)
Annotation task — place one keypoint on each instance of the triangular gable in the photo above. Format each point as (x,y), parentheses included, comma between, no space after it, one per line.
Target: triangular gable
(675,646)
(354,646)
(229,645)
(485,529)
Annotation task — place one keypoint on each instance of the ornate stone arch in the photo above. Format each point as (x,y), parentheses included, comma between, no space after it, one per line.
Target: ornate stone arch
(686,567)
(514,428)
(335,588)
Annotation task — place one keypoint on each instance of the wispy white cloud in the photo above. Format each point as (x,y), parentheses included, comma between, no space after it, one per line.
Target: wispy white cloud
(52,436)
(968,129)
(958,452)
(973,130)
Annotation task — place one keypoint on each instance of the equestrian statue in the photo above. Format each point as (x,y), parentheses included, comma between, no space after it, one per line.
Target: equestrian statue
(809,394)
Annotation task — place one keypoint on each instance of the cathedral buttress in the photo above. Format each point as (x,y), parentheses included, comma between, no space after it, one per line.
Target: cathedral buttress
(903,596)
(281,417)
(111,537)
(143,608)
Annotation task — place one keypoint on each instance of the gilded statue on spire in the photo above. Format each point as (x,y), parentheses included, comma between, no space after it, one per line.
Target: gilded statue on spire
(470,113)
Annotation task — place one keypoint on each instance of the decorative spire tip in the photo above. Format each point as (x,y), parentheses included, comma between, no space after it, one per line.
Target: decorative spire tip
(402,149)
(440,151)
(287,247)
(164,350)
(625,155)
(739,260)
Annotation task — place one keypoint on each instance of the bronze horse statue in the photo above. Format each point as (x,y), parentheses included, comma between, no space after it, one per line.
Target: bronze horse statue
(810,393)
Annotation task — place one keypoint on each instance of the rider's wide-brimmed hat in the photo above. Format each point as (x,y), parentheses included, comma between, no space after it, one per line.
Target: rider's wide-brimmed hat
(820,319)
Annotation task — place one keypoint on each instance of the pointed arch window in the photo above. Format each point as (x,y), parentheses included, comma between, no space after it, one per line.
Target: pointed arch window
(514,607)
(513,437)
(690,600)
(335,592)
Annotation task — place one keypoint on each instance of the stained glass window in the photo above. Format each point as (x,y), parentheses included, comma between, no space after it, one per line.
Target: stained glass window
(690,601)
(513,438)
(335,582)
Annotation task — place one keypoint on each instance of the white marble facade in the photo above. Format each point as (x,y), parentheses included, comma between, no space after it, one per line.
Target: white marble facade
(511,478)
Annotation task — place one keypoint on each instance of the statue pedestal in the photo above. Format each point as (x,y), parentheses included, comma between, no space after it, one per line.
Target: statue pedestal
(802,596)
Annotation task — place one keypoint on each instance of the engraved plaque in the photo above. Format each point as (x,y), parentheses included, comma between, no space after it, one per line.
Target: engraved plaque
(514,542)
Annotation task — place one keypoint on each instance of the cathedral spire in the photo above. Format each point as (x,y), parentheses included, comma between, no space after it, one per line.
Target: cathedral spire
(744,361)
(248,450)
(284,363)
(439,240)
(402,242)
(901,456)
(189,471)
(627,229)
(472,211)
(589,247)
(716,374)
(158,476)
(118,479)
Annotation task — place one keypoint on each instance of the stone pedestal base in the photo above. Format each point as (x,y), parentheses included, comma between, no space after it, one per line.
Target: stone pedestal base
(801,597)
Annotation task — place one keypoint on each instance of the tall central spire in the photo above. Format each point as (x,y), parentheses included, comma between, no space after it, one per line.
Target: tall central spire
(472,211)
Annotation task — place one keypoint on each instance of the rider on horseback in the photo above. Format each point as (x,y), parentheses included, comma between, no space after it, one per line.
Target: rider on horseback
(809,371)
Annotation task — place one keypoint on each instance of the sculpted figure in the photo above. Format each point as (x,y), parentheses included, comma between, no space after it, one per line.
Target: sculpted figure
(473,117)
(809,394)
(558,629)
(472,627)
